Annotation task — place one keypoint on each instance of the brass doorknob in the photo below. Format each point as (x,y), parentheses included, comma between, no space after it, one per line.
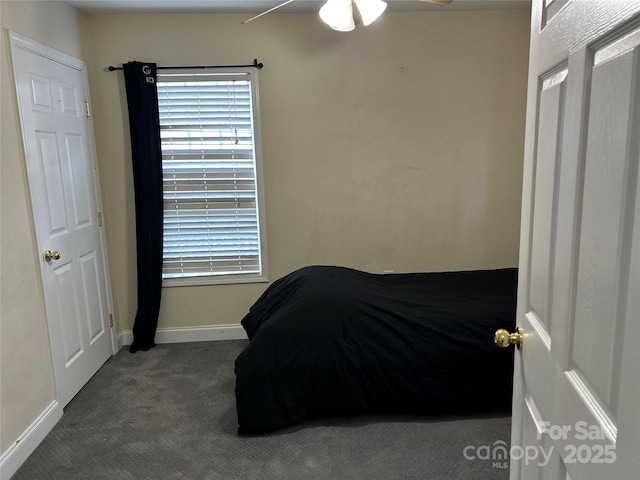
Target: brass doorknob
(49,255)
(503,338)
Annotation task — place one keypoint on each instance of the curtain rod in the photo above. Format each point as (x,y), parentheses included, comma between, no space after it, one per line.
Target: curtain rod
(255,64)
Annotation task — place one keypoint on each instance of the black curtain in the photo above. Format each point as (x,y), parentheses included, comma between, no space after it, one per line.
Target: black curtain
(144,125)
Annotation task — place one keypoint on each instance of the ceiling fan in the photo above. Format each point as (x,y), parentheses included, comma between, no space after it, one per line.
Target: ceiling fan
(342,16)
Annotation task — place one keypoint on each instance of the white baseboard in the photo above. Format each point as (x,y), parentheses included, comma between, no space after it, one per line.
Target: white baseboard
(208,333)
(124,337)
(26,443)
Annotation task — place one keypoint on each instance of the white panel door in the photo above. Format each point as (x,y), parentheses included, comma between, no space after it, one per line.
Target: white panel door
(51,90)
(576,410)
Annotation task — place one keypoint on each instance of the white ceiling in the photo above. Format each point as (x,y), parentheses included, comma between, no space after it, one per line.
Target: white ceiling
(246,6)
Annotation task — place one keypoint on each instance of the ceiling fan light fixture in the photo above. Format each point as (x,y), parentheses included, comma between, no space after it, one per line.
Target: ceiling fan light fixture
(370,10)
(338,14)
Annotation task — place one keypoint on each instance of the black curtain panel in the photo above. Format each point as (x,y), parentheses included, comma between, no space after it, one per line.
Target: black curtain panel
(144,124)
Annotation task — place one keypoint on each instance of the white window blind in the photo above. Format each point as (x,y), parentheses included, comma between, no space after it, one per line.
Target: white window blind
(210,182)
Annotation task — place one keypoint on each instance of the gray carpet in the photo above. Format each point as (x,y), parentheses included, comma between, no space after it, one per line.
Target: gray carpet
(169,413)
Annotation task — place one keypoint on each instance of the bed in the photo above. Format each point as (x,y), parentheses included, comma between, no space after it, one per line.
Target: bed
(329,341)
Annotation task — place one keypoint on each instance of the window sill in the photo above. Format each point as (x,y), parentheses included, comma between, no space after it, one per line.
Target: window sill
(213,280)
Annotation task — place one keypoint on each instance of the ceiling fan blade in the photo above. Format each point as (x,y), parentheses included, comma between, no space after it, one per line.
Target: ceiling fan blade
(268,11)
(438,2)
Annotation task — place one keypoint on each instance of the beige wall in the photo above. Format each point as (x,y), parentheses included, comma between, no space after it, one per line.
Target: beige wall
(27,384)
(395,147)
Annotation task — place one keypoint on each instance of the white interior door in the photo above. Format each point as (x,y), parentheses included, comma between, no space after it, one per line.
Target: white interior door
(576,411)
(57,135)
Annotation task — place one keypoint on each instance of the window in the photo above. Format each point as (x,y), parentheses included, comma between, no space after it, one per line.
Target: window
(213,228)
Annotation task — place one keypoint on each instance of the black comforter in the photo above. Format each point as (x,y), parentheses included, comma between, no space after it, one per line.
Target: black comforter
(327,341)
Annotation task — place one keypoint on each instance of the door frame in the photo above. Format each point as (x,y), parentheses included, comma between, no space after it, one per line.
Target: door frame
(19,42)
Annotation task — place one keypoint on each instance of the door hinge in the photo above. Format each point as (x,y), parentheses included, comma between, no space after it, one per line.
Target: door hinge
(99,219)
(87,111)
(110,321)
